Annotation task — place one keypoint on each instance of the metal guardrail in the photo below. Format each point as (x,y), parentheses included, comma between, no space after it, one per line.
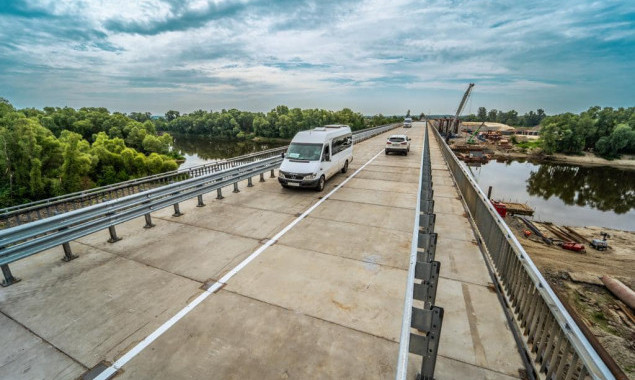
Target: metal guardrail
(45,208)
(558,347)
(428,319)
(30,238)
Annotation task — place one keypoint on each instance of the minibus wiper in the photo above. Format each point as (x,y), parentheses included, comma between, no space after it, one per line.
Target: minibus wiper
(296,160)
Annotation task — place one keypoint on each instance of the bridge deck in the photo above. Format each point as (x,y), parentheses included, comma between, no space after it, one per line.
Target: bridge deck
(323,301)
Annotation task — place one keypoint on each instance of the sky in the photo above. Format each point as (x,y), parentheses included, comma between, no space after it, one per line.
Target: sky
(371,56)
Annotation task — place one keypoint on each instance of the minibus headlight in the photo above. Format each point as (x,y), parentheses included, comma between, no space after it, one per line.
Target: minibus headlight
(281,174)
(310,176)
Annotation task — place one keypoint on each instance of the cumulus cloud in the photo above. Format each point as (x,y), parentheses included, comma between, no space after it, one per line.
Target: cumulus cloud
(371,55)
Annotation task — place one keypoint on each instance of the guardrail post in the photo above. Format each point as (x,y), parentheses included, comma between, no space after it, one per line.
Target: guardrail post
(68,253)
(219,194)
(177,210)
(262,177)
(149,223)
(429,321)
(249,183)
(113,235)
(273,175)
(236,188)
(200,201)
(8,276)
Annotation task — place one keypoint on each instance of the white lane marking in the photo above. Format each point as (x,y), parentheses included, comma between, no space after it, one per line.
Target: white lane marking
(110,371)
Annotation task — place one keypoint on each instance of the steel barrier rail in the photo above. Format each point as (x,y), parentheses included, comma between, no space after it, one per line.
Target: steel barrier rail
(427,319)
(64,203)
(30,238)
(26,240)
(45,208)
(559,348)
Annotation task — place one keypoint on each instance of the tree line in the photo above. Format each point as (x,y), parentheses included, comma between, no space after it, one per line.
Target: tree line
(610,189)
(529,119)
(606,131)
(54,151)
(281,122)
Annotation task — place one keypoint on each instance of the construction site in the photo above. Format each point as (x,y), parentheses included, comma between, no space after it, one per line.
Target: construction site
(591,269)
(582,277)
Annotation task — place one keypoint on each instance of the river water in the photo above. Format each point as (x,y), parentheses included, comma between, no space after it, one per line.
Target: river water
(199,150)
(564,194)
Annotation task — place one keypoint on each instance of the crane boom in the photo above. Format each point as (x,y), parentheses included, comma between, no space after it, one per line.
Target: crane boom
(455,122)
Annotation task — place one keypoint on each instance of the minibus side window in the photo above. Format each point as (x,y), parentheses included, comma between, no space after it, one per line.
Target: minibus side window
(326,156)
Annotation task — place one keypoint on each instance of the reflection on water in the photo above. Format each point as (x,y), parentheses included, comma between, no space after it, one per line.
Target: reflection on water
(566,194)
(199,150)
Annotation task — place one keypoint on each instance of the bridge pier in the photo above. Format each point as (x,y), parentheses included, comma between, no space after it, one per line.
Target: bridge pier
(236,188)
(219,194)
(273,175)
(249,183)
(200,201)
(262,177)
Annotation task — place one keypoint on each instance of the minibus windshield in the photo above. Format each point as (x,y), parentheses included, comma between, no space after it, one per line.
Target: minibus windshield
(304,152)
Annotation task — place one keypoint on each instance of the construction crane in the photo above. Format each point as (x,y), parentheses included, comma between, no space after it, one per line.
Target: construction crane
(455,122)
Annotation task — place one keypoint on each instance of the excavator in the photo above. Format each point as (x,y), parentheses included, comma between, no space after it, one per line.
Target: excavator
(471,140)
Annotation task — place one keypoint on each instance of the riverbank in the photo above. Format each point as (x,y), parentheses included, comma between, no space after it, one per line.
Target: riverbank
(585,159)
(273,140)
(575,277)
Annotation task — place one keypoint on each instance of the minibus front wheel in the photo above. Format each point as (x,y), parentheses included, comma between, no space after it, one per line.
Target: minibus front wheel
(320,184)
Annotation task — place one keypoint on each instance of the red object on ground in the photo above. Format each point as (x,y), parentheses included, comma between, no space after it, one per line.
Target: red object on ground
(571,246)
(500,207)
(527,233)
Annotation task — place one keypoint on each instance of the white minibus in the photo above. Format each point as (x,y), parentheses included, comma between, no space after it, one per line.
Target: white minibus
(316,155)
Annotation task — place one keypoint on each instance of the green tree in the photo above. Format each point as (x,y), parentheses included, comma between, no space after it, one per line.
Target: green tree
(171,115)
(77,163)
(482,114)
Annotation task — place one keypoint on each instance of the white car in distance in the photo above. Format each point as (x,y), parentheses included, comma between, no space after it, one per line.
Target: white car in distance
(398,144)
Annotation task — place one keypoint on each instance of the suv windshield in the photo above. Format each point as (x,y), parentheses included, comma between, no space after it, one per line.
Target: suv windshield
(304,152)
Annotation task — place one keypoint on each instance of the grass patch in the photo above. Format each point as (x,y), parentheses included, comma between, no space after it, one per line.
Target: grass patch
(529,144)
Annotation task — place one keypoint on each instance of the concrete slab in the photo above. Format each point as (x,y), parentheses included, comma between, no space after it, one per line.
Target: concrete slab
(26,356)
(375,184)
(443,191)
(360,295)
(234,337)
(375,246)
(473,326)
(389,176)
(450,369)
(279,199)
(366,214)
(448,205)
(236,220)
(455,227)
(95,306)
(383,198)
(461,260)
(392,169)
(197,253)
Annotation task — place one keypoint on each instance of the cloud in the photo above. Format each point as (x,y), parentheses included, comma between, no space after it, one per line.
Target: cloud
(256,53)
